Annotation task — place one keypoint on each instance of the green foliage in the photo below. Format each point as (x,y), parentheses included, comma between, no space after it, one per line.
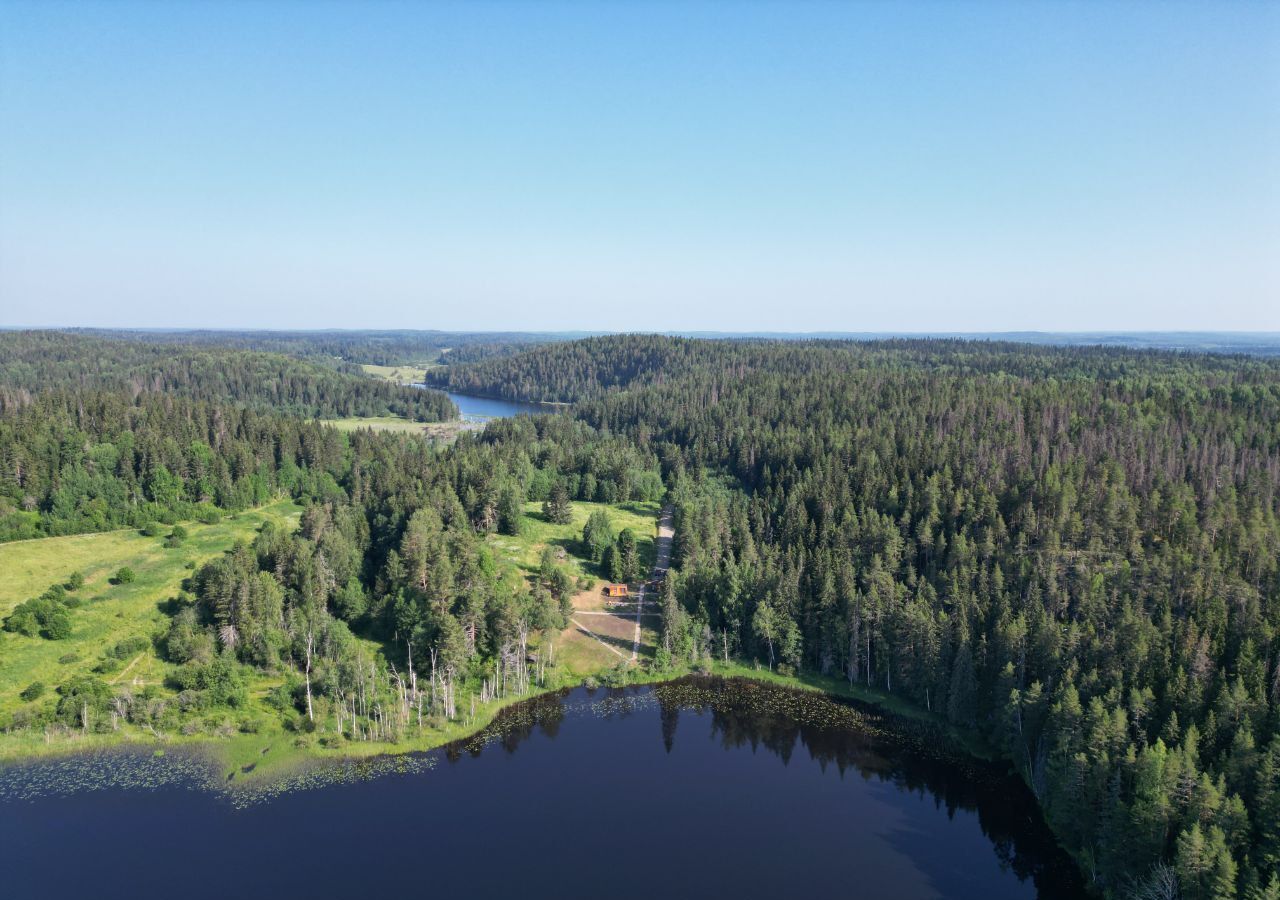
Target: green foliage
(1074,553)
(83,702)
(598,535)
(218,682)
(556,508)
(965,524)
(130,646)
(124,575)
(510,511)
(33,691)
(45,616)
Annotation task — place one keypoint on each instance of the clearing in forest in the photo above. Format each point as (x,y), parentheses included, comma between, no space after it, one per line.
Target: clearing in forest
(601,634)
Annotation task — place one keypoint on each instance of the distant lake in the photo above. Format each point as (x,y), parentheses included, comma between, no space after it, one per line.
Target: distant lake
(481,409)
(699,788)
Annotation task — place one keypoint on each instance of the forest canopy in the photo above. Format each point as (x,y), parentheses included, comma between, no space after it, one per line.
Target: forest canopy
(1072,554)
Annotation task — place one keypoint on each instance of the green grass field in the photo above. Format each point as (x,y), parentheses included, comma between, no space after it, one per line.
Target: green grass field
(108,613)
(378,423)
(399,374)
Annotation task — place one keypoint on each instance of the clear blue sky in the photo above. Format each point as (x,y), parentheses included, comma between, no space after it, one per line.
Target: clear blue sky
(734,166)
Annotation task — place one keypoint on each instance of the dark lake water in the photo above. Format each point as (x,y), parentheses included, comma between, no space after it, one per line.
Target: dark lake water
(701,788)
(479,409)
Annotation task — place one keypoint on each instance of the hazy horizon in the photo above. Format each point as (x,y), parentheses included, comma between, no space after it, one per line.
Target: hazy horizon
(884,168)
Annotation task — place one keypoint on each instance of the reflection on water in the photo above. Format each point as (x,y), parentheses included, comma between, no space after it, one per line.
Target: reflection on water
(700,787)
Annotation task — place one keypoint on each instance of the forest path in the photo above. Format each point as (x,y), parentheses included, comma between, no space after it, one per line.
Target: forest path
(662,559)
(118,678)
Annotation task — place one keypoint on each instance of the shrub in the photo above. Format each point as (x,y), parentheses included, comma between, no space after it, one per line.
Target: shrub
(152,529)
(33,691)
(179,533)
(130,646)
(107,666)
(82,697)
(187,641)
(57,624)
(75,582)
(124,576)
(24,619)
(219,682)
(40,616)
(209,514)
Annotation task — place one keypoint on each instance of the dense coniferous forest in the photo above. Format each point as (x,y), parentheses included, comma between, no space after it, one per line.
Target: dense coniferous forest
(35,361)
(1076,551)
(1071,554)
(382,348)
(80,460)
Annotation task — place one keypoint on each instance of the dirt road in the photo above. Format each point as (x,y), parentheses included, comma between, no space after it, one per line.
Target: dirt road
(662,559)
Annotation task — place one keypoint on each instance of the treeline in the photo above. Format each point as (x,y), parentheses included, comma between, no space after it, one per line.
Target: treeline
(571,372)
(76,461)
(381,348)
(1075,551)
(36,361)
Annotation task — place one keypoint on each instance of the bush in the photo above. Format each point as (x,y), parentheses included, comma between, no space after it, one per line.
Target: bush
(57,625)
(219,682)
(179,533)
(40,616)
(33,691)
(24,619)
(124,576)
(130,646)
(152,529)
(82,697)
(75,582)
(187,641)
(209,514)
(282,697)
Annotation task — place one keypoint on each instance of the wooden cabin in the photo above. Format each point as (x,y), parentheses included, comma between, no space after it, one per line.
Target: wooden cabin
(615,590)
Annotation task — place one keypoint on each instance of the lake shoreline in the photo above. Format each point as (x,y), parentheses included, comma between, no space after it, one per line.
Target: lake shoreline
(233,754)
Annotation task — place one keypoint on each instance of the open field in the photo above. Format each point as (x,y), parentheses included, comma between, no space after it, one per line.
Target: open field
(378,423)
(399,374)
(108,613)
(436,431)
(537,533)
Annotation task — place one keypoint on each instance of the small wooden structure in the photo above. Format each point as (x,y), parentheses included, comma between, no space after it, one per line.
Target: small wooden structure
(615,590)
